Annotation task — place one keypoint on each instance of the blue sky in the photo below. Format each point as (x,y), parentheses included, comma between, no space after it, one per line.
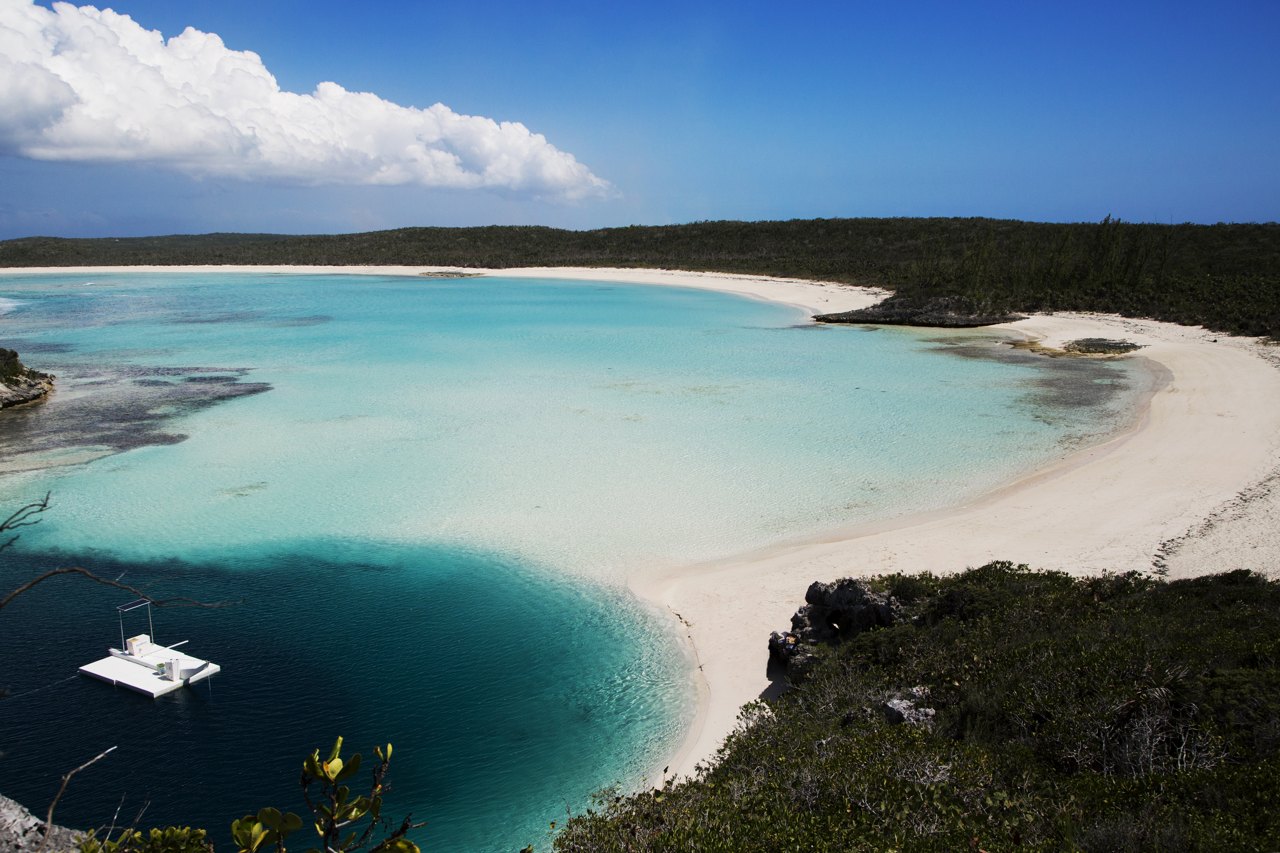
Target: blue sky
(661,113)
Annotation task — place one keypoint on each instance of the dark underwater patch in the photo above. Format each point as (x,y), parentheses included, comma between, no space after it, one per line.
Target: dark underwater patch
(220,317)
(211,379)
(257,317)
(118,407)
(1056,383)
(25,347)
(308,320)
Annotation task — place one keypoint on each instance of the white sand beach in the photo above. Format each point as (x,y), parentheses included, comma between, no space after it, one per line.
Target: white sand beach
(814,297)
(1189,484)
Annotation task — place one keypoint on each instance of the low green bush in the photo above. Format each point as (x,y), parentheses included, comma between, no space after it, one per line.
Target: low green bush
(1119,712)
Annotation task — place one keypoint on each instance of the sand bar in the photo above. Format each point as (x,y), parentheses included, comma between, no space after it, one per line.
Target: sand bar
(1191,483)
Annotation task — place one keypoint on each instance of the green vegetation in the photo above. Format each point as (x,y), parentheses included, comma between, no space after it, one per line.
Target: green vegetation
(1226,277)
(171,839)
(1106,713)
(343,822)
(11,369)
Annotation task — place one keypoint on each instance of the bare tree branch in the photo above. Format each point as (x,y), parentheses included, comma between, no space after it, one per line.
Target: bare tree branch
(28,516)
(48,819)
(24,517)
(76,570)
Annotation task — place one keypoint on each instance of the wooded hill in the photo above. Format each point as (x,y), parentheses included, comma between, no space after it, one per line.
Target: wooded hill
(1112,713)
(1226,277)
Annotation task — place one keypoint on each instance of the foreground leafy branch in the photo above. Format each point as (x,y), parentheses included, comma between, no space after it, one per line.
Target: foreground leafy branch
(343,822)
(337,815)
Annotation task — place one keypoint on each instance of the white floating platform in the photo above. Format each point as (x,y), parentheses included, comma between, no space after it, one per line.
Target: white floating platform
(150,669)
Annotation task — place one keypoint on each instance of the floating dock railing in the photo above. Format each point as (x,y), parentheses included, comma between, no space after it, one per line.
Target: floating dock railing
(145,666)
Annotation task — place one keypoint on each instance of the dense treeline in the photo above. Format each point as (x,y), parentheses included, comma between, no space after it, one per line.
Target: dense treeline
(1226,277)
(1106,713)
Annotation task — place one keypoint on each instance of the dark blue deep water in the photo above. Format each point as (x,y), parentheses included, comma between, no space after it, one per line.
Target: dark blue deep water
(508,695)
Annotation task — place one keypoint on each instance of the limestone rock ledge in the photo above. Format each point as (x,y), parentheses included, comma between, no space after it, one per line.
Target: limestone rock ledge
(946,312)
(21,831)
(20,384)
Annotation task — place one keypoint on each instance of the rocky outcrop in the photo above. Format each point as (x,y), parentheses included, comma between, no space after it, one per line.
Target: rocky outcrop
(20,384)
(1101,346)
(952,312)
(21,831)
(910,709)
(841,609)
(832,612)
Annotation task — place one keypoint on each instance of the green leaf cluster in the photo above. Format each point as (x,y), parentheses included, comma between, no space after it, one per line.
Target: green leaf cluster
(267,830)
(344,821)
(172,839)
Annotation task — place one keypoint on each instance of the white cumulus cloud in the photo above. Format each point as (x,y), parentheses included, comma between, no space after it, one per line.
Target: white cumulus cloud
(88,84)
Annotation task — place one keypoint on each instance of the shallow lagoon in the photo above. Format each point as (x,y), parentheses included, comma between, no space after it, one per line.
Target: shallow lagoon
(426,494)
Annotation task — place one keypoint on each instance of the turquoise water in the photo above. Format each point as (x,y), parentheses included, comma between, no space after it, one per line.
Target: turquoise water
(426,495)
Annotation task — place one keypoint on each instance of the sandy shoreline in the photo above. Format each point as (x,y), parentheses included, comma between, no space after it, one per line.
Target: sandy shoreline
(1190,485)
(1208,441)
(811,296)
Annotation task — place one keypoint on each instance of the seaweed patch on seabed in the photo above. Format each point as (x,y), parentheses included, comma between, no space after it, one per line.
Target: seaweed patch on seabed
(259,317)
(196,319)
(1058,384)
(114,408)
(27,347)
(307,320)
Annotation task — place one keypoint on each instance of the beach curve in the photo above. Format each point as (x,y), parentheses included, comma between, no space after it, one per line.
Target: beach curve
(1208,435)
